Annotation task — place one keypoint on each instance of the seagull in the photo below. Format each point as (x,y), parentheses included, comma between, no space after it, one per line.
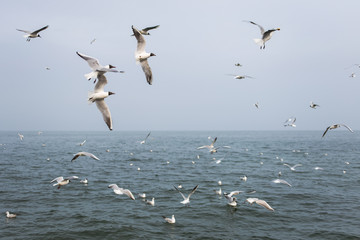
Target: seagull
(33,34)
(98,69)
(290,122)
(82,144)
(238,65)
(244,178)
(142,195)
(144,141)
(318,168)
(121,191)
(145,31)
(62,181)
(336,126)
(84,154)
(292,168)
(266,35)
(232,200)
(239,76)
(152,202)
(98,96)
(210,147)
(141,56)
(218,192)
(352,75)
(170,220)
(92,41)
(314,105)
(256,105)
(11,215)
(85,181)
(260,202)
(21,136)
(187,199)
(281,181)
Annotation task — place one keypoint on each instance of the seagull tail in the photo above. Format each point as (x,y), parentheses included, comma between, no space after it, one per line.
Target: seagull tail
(259,42)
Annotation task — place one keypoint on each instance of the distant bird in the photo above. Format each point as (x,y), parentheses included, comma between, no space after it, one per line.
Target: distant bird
(98,96)
(239,76)
(256,105)
(336,126)
(141,56)
(218,192)
(62,181)
(152,202)
(219,183)
(266,35)
(92,41)
(145,31)
(84,154)
(11,215)
(98,69)
(318,168)
(238,65)
(281,181)
(82,144)
(187,199)
(210,147)
(85,181)
(47,68)
(33,34)
(292,168)
(121,191)
(232,200)
(352,75)
(144,141)
(142,195)
(314,105)
(290,122)
(21,136)
(244,178)
(259,202)
(170,220)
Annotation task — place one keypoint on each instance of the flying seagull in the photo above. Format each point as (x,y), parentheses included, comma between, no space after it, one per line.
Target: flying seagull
(145,31)
(290,122)
(60,181)
(33,34)
(144,141)
(314,105)
(292,168)
(98,96)
(260,202)
(336,126)
(21,136)
(281,181)
(210,147)
(187,199)
(232,200)
(121,191)
(96,67)
(239,76)
(141,56)
(170,220)
(84,154)
(266,35)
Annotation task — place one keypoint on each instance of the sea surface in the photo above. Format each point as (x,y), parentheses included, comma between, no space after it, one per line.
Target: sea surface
(321,204)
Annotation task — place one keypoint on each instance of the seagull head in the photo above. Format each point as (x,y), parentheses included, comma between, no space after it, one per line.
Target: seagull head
(152,54)
(278,29)
(111,93)
(39,36)
(111,66)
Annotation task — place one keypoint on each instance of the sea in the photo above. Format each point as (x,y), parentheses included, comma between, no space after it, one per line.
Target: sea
(323,201)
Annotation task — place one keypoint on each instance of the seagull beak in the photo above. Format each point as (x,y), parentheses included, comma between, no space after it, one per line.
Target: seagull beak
(111,66)
(278,29)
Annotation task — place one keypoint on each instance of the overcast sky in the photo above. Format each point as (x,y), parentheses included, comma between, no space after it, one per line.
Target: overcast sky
(196,47)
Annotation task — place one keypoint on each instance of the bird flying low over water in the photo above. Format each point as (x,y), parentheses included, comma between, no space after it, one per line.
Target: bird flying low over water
(260,202)
(266,35)
(121,191)
(141,56)
(33,34)
(84,154)
(290,122)
(96,67)
(232,200)
(144,141)
(281,181)
(336,126)
(187,199)
(63,181)
(98,96)
(145,31)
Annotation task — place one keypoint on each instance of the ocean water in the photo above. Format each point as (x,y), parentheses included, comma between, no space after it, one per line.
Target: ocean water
(321,204)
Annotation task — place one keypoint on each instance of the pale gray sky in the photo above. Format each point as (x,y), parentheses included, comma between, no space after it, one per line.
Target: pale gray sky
(196,46)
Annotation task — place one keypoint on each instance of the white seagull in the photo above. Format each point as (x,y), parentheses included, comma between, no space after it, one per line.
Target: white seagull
(260,202)
(85,181)
(336,126)
(60,181)
(290,122)
(21,136)
(144,141)
(244,178)
(96,67)
(145,31)
(84,154)
(232,200)
(239,76)
(98,96)
(210,147)
(11,215)
(33,34)
(292,168)
(142,195)
(187,199)
(170,220)
(314,105)
(281,181)
(152,202)
(141,56)
(121,191)
(266,35)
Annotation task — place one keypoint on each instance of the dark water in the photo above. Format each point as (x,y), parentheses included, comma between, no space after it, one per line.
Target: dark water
(321,204)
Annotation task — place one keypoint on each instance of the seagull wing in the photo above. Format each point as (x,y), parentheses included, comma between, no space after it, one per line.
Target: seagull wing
(234,193)
(102,81)
(261,28)
(147,70)
(140,40)
(264,204)
(75,157)
(90,155)
(150,28)
(41,29)
(148,135)
(327,129)
(347,127)
(180,193)
(28,32)
(297,165)
(192,192)
(105,111)
(285,164)
(206,146)
(128,193)
(58,179)
(213,142)
(93,62)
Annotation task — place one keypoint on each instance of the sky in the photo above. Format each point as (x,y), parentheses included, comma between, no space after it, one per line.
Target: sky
(196,47)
